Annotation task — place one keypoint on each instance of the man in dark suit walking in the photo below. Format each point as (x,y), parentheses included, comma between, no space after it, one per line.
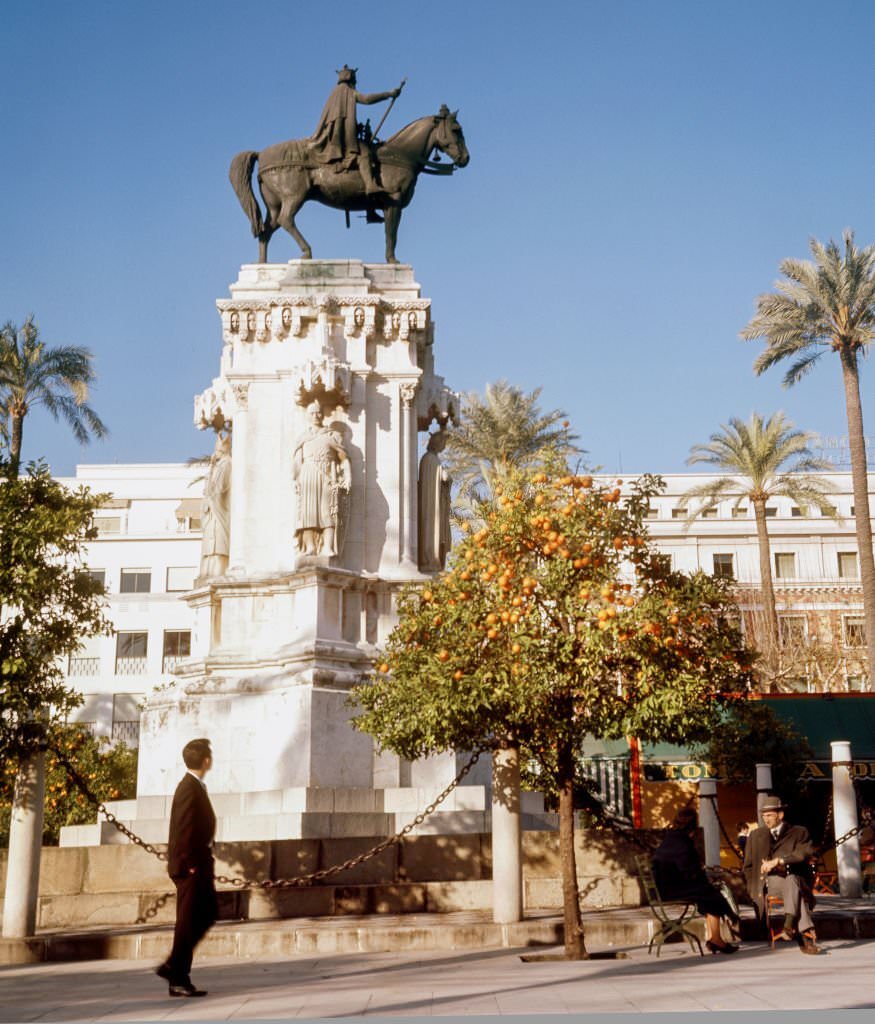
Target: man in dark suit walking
(776,855)
(190,865)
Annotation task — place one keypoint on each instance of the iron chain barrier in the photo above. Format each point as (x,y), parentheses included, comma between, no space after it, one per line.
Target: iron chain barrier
(239,883)
(595,807)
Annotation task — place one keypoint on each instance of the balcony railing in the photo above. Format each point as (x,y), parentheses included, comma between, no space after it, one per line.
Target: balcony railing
(170,662)
(130,666)
(84,667)
(127,732)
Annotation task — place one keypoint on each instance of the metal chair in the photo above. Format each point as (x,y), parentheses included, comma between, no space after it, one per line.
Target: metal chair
(670,923)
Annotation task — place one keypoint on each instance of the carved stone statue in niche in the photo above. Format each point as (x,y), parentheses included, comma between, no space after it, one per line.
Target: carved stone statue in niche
(434,507)
(321,471)
(216,511)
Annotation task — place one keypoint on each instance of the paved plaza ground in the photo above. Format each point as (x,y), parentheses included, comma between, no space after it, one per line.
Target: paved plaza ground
(467,983)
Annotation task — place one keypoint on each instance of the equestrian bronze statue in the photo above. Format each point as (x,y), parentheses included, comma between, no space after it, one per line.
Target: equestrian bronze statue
(344,166)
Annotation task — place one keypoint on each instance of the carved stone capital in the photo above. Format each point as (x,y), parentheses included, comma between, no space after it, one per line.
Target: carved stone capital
(325,380)
(407,389)
(240,390)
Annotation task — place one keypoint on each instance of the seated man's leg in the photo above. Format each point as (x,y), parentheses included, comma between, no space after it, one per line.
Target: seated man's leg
(795,906)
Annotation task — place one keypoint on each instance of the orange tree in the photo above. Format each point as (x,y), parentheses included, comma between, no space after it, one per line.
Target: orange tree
(554,621)
(110,771)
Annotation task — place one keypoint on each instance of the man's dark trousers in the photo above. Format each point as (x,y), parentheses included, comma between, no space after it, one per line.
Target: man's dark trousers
(190,865)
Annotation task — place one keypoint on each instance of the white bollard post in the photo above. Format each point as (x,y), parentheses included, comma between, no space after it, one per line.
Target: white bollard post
(844,815)
(25,846)
(708,821)
(764,786)
(507,872)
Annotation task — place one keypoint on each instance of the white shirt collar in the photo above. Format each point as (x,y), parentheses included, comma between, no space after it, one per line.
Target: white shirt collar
(195,776)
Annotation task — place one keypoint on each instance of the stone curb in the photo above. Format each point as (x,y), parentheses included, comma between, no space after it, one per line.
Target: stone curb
(604,930)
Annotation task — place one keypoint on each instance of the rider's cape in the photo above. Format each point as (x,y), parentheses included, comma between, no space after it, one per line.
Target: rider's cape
(335,137)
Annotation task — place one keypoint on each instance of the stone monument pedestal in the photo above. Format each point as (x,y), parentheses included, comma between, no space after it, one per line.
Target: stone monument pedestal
(326,386)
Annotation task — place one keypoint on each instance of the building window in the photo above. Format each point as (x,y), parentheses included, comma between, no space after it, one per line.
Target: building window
(98,575)
(723,567)
(136,581)
(180,578)
(679,513)
(107,525)
(651,513)
(126,718)
(709,513)
(849,568)
(177,647)
(855,630)
(86,661)
(130,654)
(740,511)
(188,515)
(796,512)
(785,565)
(831,510)
(771,511)
(792,629)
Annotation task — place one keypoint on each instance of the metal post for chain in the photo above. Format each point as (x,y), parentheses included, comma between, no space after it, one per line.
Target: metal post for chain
(844,803)
(764,785)
(708,821)
(279,883)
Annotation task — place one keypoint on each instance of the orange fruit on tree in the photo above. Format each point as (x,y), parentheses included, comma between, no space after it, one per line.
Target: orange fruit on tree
(444,656)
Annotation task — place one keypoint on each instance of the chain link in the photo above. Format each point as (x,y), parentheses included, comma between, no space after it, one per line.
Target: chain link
(278,883)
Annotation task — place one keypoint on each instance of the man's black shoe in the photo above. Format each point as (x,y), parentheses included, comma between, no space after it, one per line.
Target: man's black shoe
(186,990)
(163,971)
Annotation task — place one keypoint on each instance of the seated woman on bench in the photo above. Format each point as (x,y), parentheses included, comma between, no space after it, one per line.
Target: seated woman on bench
(680,876)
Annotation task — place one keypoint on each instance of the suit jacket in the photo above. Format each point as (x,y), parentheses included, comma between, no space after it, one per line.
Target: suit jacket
(192,829)
(793,844)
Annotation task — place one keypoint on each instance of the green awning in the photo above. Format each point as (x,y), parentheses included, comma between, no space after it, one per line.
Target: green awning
(825,717)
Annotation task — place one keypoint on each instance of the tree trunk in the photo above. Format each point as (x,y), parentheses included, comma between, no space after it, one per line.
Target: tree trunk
(765,551)
(860,476)
(507,874)
(574,944)
(15,445)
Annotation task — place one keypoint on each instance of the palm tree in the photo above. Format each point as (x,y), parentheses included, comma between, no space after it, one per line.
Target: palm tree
(57,378)
(504,430)
(828,305)
(766,458)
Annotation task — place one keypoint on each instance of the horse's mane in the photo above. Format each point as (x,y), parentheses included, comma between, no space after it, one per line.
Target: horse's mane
(399,136)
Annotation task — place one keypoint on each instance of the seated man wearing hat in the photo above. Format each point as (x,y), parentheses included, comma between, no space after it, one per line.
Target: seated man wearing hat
(777,855)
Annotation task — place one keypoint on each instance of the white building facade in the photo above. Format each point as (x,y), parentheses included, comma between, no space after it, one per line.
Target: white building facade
(146,555)
(148,552)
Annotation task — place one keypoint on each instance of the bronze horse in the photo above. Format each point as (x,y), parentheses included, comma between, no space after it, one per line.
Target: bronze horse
(288,177)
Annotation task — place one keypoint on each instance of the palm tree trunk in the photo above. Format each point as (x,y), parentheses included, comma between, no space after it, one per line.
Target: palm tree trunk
(15,445)
(860,477)
(765,550)
(575,948)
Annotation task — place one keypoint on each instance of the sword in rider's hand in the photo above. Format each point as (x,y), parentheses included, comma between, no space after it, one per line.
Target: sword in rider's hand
(391,104)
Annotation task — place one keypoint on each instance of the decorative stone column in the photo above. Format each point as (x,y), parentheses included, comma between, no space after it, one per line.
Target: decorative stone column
(409,466)
(239,468)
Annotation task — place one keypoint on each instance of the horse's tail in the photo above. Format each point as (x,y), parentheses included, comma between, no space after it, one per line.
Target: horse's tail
(241,178)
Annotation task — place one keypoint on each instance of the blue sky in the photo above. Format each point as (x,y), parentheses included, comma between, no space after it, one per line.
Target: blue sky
(638,170)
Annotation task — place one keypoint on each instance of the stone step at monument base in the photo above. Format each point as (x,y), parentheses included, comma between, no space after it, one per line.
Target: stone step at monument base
(303,825)
(313,813)
(125,909)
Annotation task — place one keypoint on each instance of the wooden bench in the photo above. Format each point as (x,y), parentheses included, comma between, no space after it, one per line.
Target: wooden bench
(670,921)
